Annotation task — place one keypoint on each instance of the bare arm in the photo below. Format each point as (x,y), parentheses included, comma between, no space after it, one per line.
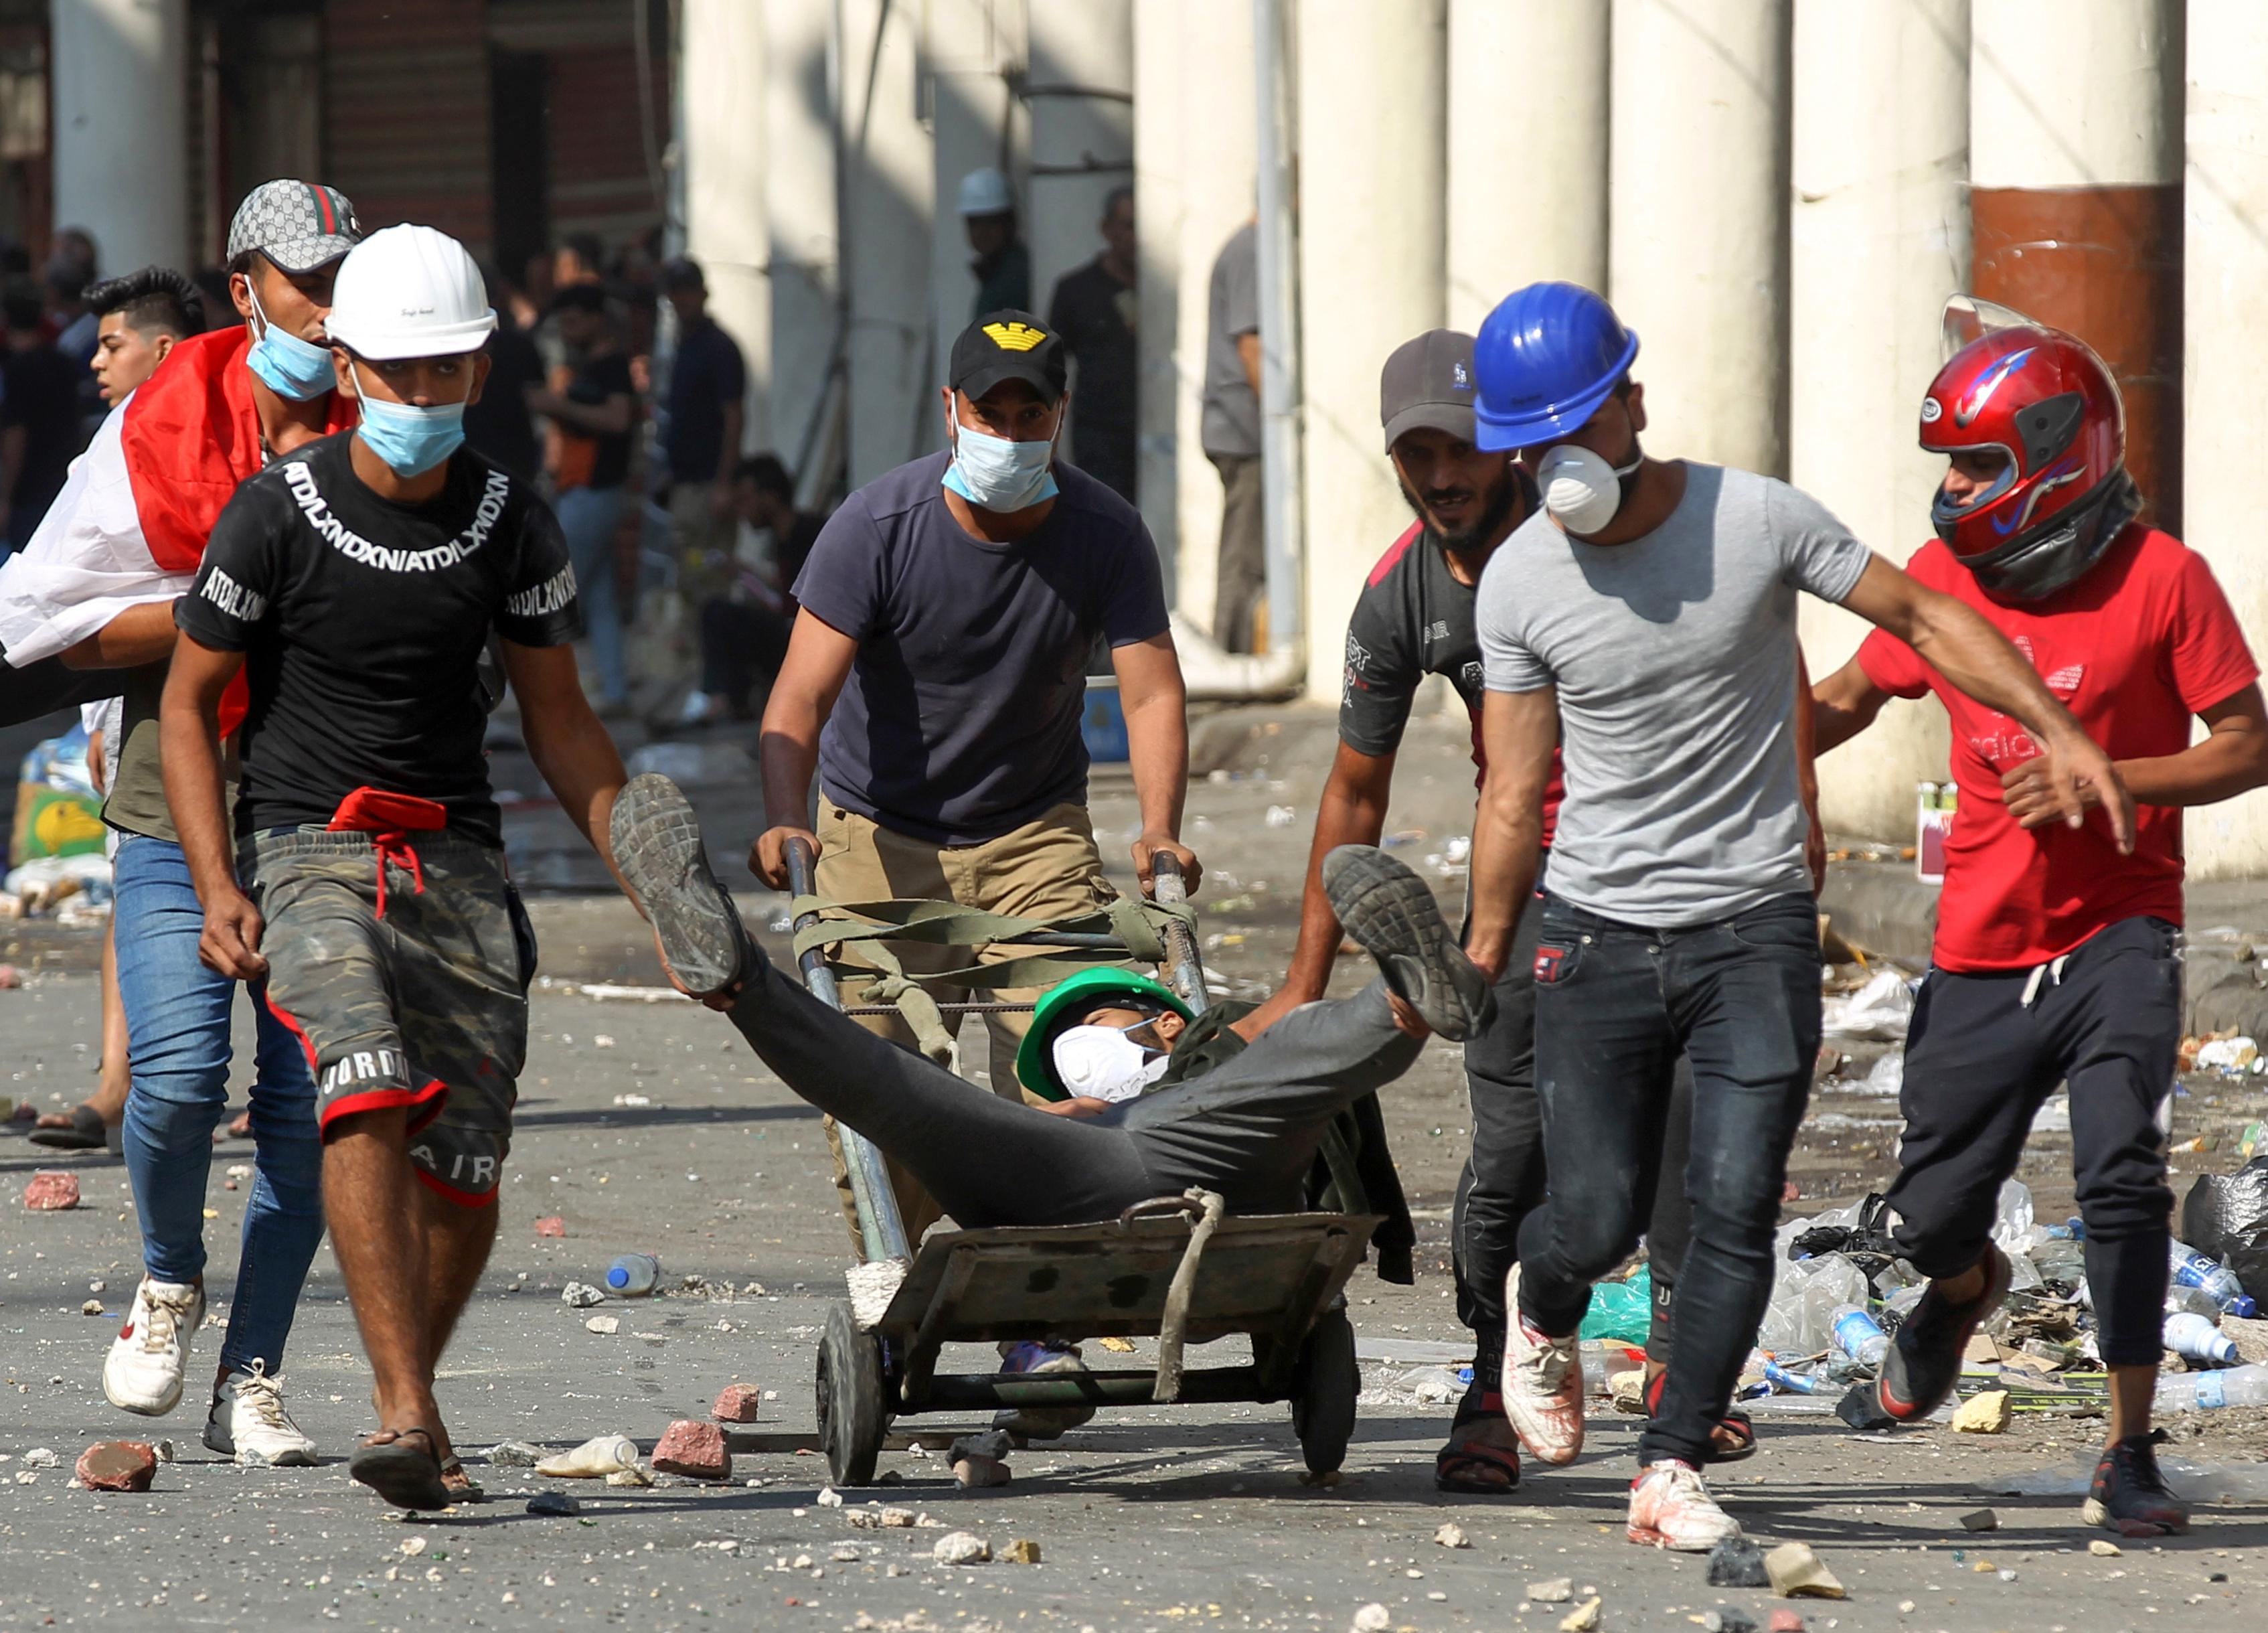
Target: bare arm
(137,636)
(610,418)
(1156,703)
(571,749)
(1247,352)
(189,747)
(1807,776)
(1957,642)
(728,452)
(2232,758)
(811,677)
(1843,705)
(1351,811)
(1518,731)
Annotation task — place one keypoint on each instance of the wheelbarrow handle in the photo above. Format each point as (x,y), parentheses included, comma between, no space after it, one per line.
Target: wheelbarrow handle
(802,864)
(1167,882)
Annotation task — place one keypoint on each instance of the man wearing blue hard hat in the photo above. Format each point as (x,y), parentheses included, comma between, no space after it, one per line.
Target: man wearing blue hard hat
(1643,622)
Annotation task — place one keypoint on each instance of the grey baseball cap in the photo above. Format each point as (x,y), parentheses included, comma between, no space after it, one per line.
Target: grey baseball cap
(299,225)
(1428,382)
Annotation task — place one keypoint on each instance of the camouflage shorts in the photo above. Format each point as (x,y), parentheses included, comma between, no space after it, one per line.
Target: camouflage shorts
(406,986)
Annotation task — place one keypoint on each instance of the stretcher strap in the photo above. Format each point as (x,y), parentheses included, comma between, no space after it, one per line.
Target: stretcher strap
(1173,1323)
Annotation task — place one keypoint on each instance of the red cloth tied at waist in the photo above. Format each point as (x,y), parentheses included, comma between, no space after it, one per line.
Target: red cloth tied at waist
(389,819)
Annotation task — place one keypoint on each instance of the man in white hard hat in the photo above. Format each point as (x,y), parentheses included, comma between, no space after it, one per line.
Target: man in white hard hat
(363,884)
(96,587)
(1003,267)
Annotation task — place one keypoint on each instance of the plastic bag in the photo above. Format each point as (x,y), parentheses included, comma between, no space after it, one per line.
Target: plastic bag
(1623,1311)
(2226,1218)
(1881,1010)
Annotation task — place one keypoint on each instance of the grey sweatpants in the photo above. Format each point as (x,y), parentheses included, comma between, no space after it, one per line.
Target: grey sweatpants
(1247,1129)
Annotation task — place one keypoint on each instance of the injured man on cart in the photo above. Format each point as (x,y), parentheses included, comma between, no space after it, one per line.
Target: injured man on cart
(1153,1101)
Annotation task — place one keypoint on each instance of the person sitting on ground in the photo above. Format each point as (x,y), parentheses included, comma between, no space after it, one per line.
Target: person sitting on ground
(1248,1128)
(745,631)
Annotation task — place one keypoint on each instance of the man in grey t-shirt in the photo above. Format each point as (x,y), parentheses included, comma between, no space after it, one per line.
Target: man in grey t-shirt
(1646,622)
(1230,432)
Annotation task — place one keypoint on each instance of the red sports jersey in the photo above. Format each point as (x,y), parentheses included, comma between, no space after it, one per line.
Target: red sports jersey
(2134,649)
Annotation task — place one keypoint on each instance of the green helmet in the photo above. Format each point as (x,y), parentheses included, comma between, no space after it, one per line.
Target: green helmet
(1066,1004)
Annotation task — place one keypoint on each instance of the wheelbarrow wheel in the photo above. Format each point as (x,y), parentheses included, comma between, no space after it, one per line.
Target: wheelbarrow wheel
(1323,1389)
(853,1418)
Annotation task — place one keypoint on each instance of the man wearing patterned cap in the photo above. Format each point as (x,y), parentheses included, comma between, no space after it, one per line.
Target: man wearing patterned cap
(97,585)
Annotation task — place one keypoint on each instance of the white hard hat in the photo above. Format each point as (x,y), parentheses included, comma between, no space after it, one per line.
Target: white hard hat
(409,291)
(985,193)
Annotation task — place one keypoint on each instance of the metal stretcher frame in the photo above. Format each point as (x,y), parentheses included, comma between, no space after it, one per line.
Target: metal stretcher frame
(1172,1268)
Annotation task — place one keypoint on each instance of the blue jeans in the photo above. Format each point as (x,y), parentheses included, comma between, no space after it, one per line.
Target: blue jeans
(1615,1004)
(177,1020)
(590,518)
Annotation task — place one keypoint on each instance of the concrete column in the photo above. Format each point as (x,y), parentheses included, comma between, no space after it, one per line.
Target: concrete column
(1879,237)
(721,103)
(1372,274)
(2075,162)
(1206,51)
(1528,195)
(118,76)
(1697,263)
(1080,88)
(887,189)
(971,49)
(798,213)
(2225,223)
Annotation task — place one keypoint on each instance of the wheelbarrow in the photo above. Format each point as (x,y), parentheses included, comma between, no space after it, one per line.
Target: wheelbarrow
(1173,1268)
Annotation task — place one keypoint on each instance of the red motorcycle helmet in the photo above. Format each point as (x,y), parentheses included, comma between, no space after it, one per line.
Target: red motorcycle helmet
(2042,398)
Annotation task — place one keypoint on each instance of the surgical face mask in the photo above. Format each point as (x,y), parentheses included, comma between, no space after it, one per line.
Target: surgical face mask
(411,439)
(288,366)
(993,473)
(1103,1063)
(1581,489)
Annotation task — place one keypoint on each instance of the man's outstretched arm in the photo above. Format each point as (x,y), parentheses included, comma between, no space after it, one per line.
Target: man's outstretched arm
(1518,731)
(189,747)
(576,758)
(811,678)
(1351,811)
(1957,642)
(1156,702)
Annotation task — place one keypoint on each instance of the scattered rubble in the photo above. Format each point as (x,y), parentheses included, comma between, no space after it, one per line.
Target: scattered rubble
(581,1294)
(960,1548)
(1583,1619)
(554,1225)
(1796,1572)
(737,1403)
(514,1454)
(693,1448)
(1452,1535)
(51,1190)
(1021,1551)
(117,1466)
(554,1504)
(1737,1562)
(1984,1413)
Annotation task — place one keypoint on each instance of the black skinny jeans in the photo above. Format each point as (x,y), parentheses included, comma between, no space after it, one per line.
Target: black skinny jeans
(1615,1005)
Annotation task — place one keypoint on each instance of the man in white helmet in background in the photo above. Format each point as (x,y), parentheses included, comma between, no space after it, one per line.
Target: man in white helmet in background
(363,885)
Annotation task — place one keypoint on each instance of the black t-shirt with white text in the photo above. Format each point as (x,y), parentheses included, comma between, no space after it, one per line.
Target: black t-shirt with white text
(361,622)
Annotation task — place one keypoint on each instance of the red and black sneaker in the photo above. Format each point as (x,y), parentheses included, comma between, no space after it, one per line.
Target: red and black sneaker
(2129,1495)
(1924,1364)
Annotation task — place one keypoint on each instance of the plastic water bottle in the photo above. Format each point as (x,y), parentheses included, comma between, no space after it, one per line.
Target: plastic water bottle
(2192,1268)
(2191,1300)
(1860,1336)
(2190,1391)
(2196,1338)
(1792,1383)
(633,1275)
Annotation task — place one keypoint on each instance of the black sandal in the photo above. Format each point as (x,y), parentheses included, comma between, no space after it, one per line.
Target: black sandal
(400,1472)
(1735,1423)
(462,1486)
(85,1131)
(1463,1466)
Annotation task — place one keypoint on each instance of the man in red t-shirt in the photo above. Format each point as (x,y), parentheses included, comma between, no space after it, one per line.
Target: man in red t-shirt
(2058,956)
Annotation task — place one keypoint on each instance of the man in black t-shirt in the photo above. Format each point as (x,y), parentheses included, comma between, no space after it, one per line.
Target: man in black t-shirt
(355,583)
(594,410)
(40,429)
(1094,309)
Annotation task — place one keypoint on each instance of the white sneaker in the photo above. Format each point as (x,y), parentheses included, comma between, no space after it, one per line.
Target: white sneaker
(1671,1507)
(1542,1384)
(143,1372)
(248,1422)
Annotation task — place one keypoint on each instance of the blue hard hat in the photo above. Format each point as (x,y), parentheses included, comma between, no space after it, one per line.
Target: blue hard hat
(1545,359)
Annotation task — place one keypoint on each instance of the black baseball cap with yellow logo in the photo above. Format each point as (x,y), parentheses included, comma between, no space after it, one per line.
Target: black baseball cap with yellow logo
(1009,345)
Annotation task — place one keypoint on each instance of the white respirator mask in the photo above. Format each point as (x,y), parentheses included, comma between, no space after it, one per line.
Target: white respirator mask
(1580,489)
(1103,1063)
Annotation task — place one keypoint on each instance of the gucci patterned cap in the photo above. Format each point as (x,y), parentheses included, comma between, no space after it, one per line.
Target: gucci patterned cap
(1008,344)
(299,225)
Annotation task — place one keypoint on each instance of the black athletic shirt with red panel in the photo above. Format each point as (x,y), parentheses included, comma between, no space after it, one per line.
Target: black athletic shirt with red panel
(1411,620)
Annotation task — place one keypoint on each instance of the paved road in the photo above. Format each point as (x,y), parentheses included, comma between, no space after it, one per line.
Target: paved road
(1150,1520)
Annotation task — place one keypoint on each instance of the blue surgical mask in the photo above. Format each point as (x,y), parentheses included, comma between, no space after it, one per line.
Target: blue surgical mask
(993,473)
(288,366)
(411,440)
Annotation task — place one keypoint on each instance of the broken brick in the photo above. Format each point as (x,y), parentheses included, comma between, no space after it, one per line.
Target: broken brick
(51,1190)
(738,1404)
(695,1449)
(552,1226)
(117,1466)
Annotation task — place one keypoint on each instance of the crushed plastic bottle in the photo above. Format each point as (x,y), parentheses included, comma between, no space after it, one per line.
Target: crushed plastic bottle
(2192,1268)
(2191,1300)
(1860,1336)
(2191,1392)
(633,1275)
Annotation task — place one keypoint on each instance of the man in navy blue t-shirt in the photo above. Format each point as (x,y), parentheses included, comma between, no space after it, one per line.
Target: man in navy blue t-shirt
(936,677)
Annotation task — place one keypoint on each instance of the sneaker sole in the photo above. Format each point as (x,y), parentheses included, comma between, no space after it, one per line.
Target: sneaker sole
(157,1408)
(215,1440)
(1389,910)
(1530,1434)
(2096,1514)
(1648,1538)
(1996,1289)
(657,843)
